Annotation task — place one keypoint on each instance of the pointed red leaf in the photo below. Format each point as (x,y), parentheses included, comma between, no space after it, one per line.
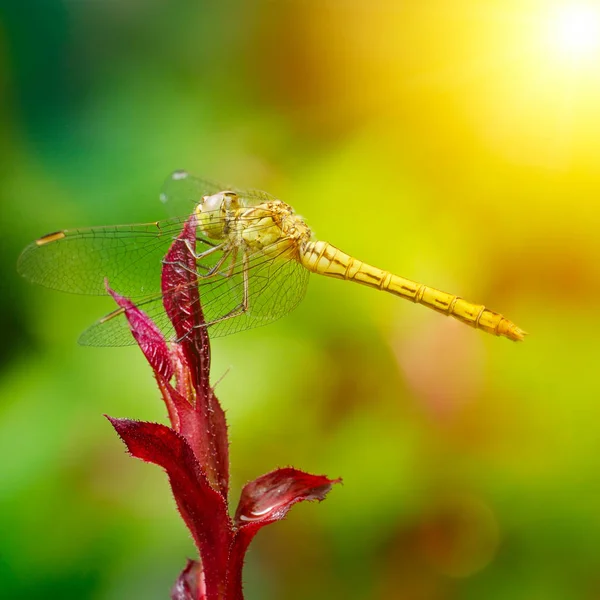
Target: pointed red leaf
(203,509)
(264,501)
(182,304)
(271,496)
(218,443)
(181,300)
(147,335)
(190,583)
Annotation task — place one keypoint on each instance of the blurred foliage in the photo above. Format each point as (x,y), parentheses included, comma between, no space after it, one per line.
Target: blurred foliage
(453,143)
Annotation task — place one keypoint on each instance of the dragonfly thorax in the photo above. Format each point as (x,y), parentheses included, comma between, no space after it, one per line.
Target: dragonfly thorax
(272,228)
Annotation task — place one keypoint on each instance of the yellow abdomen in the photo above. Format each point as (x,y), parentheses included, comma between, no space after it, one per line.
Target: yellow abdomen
(325,259)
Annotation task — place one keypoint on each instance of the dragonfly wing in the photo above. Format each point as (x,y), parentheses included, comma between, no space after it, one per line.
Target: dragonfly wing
(79,260)
(113,329)
(275,286)
(253,196)
(181,192)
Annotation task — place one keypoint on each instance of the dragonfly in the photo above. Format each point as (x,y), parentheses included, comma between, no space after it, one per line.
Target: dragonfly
(253,257)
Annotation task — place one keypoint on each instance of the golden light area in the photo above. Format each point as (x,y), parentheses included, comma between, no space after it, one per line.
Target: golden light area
(539,106)
(574,30)
(514,78)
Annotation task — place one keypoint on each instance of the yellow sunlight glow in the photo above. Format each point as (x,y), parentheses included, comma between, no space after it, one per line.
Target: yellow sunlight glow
(575,30)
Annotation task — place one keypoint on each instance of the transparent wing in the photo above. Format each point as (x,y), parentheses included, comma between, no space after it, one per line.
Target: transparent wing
(276,284)
(78,260)
(129,256)
(181,192)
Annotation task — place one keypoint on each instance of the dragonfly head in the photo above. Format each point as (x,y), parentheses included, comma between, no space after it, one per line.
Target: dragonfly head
(212,213)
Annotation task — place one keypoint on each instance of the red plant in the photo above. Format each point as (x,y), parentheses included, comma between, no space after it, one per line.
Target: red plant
(194,450)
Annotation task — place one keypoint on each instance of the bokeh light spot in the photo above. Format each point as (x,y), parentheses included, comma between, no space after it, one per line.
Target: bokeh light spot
(575,30)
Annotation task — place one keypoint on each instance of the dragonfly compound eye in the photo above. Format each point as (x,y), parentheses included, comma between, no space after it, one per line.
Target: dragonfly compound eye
(212,203)
(212,213)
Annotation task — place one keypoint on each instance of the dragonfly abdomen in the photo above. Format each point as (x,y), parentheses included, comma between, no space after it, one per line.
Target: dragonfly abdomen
(325,259)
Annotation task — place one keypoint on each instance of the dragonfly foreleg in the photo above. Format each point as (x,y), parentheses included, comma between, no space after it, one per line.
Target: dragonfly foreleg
(201,255)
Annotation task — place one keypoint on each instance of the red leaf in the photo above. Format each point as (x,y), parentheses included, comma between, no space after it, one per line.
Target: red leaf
(269,497)
(208,433)
(147,335)
(182,303)
(264,501)
(219,444)
(195,452)
(203,509)
(190,583)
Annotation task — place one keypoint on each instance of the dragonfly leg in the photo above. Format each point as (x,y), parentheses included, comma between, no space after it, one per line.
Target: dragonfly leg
(245,303)
(233,259)
(199,256)
(215,268)
(180,265)
(192,251)
(243,306)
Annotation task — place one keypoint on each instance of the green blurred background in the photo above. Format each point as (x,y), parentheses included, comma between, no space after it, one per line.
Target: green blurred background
(456,143)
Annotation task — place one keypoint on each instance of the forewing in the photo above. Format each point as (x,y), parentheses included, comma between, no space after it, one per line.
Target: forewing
(129,256)
(79,260)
